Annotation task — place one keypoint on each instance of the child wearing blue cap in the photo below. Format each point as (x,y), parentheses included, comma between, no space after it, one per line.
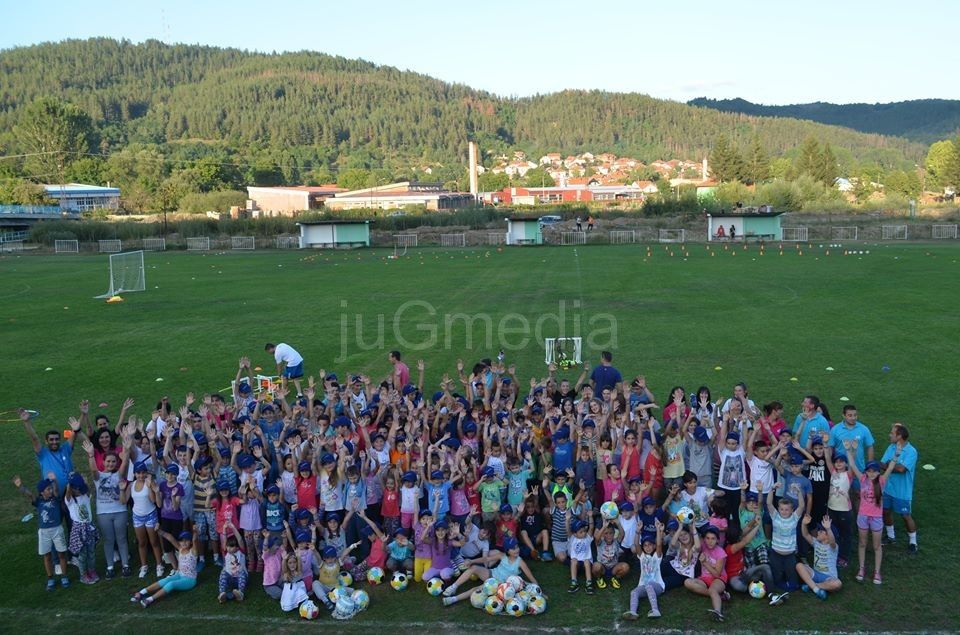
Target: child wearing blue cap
(226,509)
(822,577)
(783,555)
(651,580)
(400,552)
(491,491)
(144,493)
(870,514)
(508,563)
(250,524)
(185,577)
(328,573)
(204,489)
(409,494)
(232,583)
(50,534)
(171,517)
(608,569)
(440,553)
(733,471)
(83,533)
(422,539)
(580,548)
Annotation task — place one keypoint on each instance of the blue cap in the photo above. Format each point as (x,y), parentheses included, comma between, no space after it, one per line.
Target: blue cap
(184,535)
(224,452)
(537,409)
(266,407)
(487,471)
(366,531)
(626,506)
(365,412)
(244,388)
(816,440)
(223,485)
(437,396)
(442,524)
(752,497)
(348,446)
(409,388)
(342,421)
(436,474)
(274,541)
(588,423)
(648,500)
(43,484)
(173,468)
(509,543)
(576,525)
(673,524)
(425,512)
(506,509)
(302,535)
(796,460)
(872,465)
(634,479)
(201,461)
(272,489)
(700,434)
(76,481)
(506,381)
(327,458)
(452,443)
(200,438)
(303,466)
(256,442)
(469,427)
(327,517)
(245,461)
(140,466)
(711,530)
(331,377)
(649,538)
(400,438)
(329,552)
(302,514)
(562,433)
(409,477)
(538,390)
(400,531)
(733,436)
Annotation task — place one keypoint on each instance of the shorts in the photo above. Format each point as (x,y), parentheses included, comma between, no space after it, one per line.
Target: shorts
(293,372)
(873,523)
(206,523)
(406,520)
(627,557)
(897,505)
(149,521)
(50,538)
(708,579)
(819,577)
(559,547)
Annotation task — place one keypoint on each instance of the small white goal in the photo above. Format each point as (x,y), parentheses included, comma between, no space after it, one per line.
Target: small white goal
(198,243)
(894,232)
(66,246)
(573,238)
(453,240)
(845,233)
(672,235)
(243,242)
(623,236)
(154,244)
(127,273)
(288,242)
(944,231)
(496,239)
(12,246)
(795,234)
(110,246)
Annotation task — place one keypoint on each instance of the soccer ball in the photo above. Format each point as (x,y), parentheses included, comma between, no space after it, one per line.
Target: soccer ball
(490,586)
(435,586)
(609,510)
(493,605)
(478,598)
(345,579)
(338,592)
(516,582)
(505,591)
(536,605)
(533,589)
(757,590)
(524,595)
(345,608)
(361,598)
(309,610)
(685,516)
(515,607)
(375,575)
(399,581)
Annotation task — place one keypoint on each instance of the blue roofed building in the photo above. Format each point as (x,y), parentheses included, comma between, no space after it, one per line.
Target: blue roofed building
(78,197)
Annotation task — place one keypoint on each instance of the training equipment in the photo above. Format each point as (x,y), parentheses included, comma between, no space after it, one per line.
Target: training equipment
(375,575)
(126,274)
(478,598)
(685,516)
(505,591)
(401,242)
(524,595)
(845,233)
(894,232)
(154,244)
(435,586)
(399,581)
(309,610)
(200,243)
(672,236)
(537,605)
(344,609)
(110,246)
(623,236)
(944,231)
(516,582)
(795,234)
(338,592)
(66,246)
(345,579)
(565,352)
(757,590)
(515,607)
(533,589)
(490,586)
(609,510)
(453,240)
(287,242)
(361,598)
(493,605)
(573,238)
(243,242)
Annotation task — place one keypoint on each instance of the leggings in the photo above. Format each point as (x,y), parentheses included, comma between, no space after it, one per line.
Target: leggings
(651,590)
(87,556)
(395,565)
(784,568)
(177,582)
(841,520)
(228,582)
(113,530)
(740,583)
(444,574)
(171,526)
(273,591)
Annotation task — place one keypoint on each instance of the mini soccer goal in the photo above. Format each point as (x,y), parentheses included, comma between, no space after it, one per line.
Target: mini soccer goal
(154,244)
(402,242)
(894,232)
(288,242)
(573,238)
(198,243)
(795,234)
(453,240)
(623,236)
(126,274)
(565,352)
(243,242)
(672,235)
(944,231)
(11,247)
(66,246)
(496,239)
(845,233)
(110,246)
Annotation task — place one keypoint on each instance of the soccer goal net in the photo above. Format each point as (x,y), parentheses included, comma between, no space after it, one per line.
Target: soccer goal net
(673,235)
(944,231)
(453,240)
(110,246)
(243,242)
(894,232)
(573,238)
(288,242)
(198,243)
(154,244)
(623,236)
(401,242)
(11,246)
(565,352)
(496,239)
(845,233)
(795,234)
(126,274)
(66,246)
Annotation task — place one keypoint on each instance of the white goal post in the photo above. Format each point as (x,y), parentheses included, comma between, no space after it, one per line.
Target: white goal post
(623,236)
(243,242)
(795,234)
(154,244)
(288,242)
(944,231)
(401,242)
(672,235)
(845,233)
(496,239)
(110,246)
(894,232)
(573,238)
(198,243)
(66,246)
(11,246)
(126,274)
(453,240)
(565,352)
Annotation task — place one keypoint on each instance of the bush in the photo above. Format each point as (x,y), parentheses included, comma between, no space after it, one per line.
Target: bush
(220,201)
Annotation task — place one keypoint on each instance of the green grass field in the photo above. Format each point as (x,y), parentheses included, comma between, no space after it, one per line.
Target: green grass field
(763,319)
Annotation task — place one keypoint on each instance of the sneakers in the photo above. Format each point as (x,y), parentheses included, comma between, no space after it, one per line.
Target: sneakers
(58,570)
(535,555)
(217,560)
(777,598)
(887,540)
(159,570)
(546,556)
(450,591)
(842,563)
(717,615)
(110,573)
(860,575)
(135,597)
(615,583)
(222,598)
(629,615)
(601,583)
(74,562)
(877,579)
(574,587)
(144,570)
(85,579)
(725,596)
(588,585)
(820,593)
(805,588)
(145,602)
(94,578)
(51,585)
(65,582)
(449,601)
(654,613)
(201,565)
(126,572)
(238,595)
(912,548)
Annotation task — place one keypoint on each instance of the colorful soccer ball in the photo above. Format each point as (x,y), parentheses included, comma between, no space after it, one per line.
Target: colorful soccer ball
(361,598)
(524,595)
(345,608)
(516,582)
(338,592)
(685,516)
(345,579)
(609,510)
(536,605)
(490,586)
(309,610)
(757,590)
(399,581)
(533,589)
(515,607)
(493,605)
(435,586)
(478,598)
(505,591)
(375,575)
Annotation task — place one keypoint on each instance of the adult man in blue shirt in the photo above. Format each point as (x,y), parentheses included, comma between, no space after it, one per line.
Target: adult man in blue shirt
(605,375)
(57,456)
(898,492)
(809,421)
(853,429)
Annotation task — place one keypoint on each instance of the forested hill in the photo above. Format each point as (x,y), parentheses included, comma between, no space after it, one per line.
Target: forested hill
(923,120)
(158,93)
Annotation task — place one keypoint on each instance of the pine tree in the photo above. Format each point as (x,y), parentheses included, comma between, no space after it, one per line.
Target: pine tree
(828,172)
(810,160)
(758,165)
(725,161)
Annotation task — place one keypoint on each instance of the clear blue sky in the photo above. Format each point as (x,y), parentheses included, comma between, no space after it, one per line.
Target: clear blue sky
(765,51)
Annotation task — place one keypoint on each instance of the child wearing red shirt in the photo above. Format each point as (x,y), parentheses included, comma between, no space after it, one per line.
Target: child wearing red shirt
(227,507)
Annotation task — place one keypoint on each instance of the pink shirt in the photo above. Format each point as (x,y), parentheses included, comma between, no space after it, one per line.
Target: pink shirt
(869,506)
(271,567)
(404,373)
(612,490)
(714,556)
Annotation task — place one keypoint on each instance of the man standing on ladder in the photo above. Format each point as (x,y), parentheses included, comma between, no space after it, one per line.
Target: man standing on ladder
(289,363)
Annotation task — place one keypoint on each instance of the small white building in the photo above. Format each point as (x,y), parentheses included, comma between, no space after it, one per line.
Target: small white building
(79,197)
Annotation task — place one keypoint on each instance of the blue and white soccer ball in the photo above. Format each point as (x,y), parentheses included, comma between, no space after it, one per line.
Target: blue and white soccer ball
(609,510)
(757,590)
(685,516)
(515,607)
(435,586)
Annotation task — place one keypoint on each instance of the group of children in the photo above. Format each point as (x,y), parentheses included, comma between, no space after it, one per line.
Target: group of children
(354,475)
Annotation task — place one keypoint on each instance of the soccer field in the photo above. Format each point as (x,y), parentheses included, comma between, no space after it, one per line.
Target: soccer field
(886,322)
